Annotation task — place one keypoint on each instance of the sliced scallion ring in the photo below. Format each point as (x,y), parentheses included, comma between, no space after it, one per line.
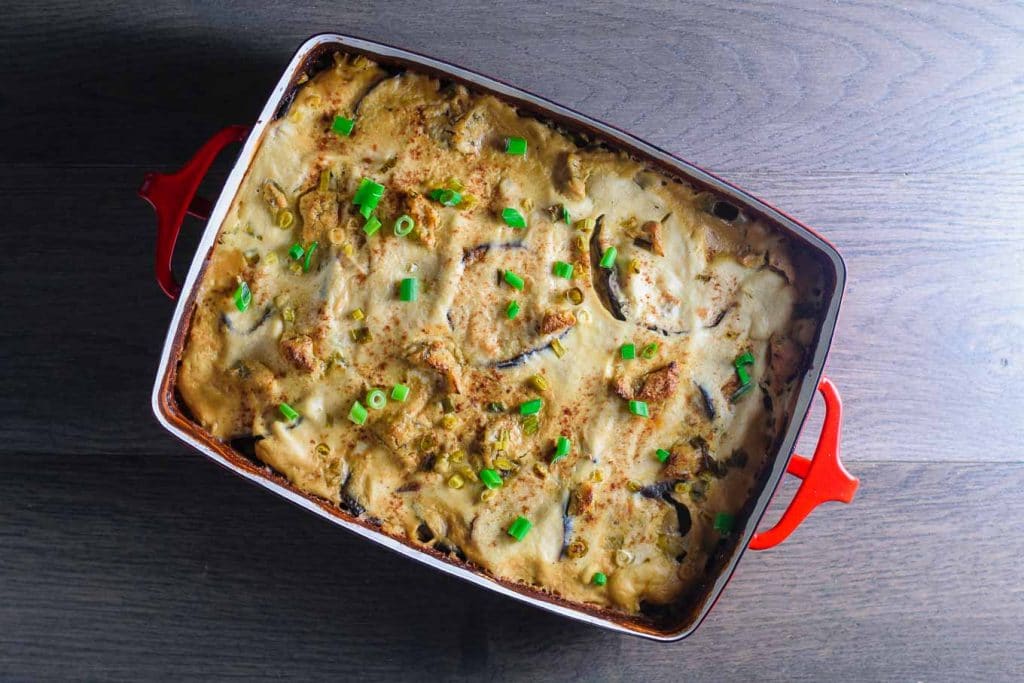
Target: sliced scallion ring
(404,224)
(376,399)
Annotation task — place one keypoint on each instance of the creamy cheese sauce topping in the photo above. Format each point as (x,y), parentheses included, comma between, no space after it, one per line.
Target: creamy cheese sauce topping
(703,289)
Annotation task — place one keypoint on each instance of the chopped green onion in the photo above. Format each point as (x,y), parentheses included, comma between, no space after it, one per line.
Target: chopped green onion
(376,399)
(491,479)
(562,269)
(243,296)
(288,412)
(557,347)
(519,528)
(744,359)
(408,289)
(367,196)
(357,413)
(513,218)
(562,446)
(512,310)
(639,408)
(342,126)
(540,382)
(608,259)
(531,407)
(575,296)
(662,455)
(399,393)
(514,280)
(309,256)
(565,215)
(284,219)
(530,425)
(724,522)
(360,335)
(296,251)
(515,146)
(372,225)
(649,351)
(599,579)
(741,392)
(627,351)
(404,225)
(446,197)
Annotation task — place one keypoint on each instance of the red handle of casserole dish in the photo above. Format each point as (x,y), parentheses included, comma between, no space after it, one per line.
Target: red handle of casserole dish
(824,477)
(172,195)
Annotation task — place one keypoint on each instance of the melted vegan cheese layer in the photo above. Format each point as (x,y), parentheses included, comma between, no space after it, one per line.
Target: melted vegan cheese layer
(704,289)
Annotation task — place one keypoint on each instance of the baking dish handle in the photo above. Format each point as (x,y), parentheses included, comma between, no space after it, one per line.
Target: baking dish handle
(824,477)
(172,195)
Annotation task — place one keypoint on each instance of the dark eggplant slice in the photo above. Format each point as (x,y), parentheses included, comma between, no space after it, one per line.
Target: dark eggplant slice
(475,253)
(246,445)
(708,463)
(682,514)
(352,505)
(516,361)
(566,524)
(606,280)
(348,501)
(658,488)
(720,317)
(662,490)
(709,403)
(455,550)
(725,211)
(226,321)
(366,93)
(423,533)
(667,333)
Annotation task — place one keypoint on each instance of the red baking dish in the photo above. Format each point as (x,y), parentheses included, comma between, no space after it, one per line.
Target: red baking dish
(173,196)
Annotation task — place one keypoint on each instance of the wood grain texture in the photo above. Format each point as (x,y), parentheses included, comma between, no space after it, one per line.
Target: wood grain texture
(896,130)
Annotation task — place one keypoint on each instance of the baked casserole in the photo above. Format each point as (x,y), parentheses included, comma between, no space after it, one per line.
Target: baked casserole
(508,343)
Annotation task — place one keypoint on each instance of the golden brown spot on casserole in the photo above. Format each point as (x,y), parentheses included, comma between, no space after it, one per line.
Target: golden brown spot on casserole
(555,321)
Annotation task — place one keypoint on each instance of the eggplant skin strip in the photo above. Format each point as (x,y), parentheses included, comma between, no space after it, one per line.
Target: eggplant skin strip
(473,254)
(366,93)
(707,401)
(516,361)
(667,333)
(662,490)
(606,280)
(226,321)
(720,317)
(567,526)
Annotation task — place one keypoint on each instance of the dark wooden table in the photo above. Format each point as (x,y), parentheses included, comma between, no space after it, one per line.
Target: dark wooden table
(897,129)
